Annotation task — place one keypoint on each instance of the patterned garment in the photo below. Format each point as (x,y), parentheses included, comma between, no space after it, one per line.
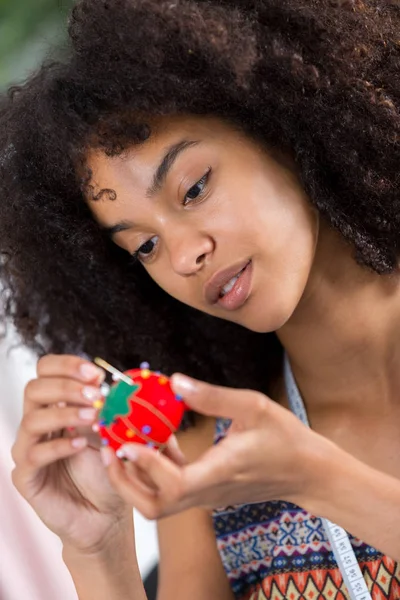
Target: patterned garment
(276,550)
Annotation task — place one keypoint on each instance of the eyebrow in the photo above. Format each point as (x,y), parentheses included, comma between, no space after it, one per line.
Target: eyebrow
(167,163)
(118,227)
(159,178)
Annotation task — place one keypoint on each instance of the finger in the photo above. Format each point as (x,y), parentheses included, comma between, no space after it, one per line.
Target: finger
(217,401)
(74,367)
(42,455)
(139,477)
(173,451)
(39,424)
(52,390)
(165,475)
(145,501)
(214,470)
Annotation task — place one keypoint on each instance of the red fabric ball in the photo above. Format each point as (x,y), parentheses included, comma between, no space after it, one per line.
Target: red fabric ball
(146,413)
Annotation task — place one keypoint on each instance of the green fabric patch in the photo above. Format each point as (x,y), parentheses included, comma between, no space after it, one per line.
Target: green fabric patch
(117,402)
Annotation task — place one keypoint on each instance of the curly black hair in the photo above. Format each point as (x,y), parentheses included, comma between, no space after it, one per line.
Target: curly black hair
(318,78)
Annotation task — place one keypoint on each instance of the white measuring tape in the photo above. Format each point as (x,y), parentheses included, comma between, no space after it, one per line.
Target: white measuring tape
(337,536)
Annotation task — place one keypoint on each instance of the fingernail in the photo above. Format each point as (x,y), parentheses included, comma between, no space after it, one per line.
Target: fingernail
(89,371)
(106,455)
(79,442)
(129,452)
(91,393)
(181,384)
(87,414)
(104,389)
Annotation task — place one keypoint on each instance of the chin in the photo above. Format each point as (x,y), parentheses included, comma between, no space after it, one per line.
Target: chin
(259,326)
(267,321)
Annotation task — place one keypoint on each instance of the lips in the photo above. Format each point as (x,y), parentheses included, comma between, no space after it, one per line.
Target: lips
(213,287)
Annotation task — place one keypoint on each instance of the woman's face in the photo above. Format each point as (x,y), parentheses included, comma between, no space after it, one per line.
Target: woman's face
(215,220)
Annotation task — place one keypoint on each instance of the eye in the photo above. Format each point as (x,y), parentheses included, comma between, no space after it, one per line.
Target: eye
(146,249)
(197,190)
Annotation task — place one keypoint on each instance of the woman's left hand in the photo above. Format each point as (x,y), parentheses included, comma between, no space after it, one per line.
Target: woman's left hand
(268,454)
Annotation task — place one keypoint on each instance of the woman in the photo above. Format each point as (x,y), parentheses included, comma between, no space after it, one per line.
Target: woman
(192,160)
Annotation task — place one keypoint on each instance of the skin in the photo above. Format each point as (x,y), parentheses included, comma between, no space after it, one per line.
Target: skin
(306,284)
(248,197)
(339,323)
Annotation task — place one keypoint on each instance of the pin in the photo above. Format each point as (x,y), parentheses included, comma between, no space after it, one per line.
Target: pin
(116,374)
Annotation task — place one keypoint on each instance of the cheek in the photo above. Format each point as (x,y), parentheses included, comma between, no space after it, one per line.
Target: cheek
(282,222)
(174,285)
(231,220)
(285,270)
(243,212)
(284,231)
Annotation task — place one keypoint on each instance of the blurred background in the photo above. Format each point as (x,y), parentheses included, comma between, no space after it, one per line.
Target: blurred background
(30,556)
(27,29)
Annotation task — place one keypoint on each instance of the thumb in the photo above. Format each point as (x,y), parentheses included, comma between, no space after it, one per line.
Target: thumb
(218,401)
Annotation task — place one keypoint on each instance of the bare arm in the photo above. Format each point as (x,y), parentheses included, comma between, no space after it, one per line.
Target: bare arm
(359,498)
(110,574)
(63,479)
(190,565)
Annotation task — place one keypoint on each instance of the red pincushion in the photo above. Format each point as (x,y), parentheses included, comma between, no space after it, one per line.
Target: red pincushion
(146,413)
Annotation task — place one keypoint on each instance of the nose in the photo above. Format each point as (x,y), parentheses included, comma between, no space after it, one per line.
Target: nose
(189,251)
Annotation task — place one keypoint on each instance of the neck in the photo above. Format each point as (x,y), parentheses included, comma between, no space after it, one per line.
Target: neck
(343,340)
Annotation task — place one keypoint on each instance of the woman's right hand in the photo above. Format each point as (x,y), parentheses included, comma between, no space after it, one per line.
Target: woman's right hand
(60,473)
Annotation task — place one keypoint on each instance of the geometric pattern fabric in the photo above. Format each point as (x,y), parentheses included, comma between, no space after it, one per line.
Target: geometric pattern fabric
(381,575)
(278,551)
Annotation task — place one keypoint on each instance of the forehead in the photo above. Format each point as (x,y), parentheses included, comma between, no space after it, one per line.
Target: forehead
(131,173)
(139,162)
